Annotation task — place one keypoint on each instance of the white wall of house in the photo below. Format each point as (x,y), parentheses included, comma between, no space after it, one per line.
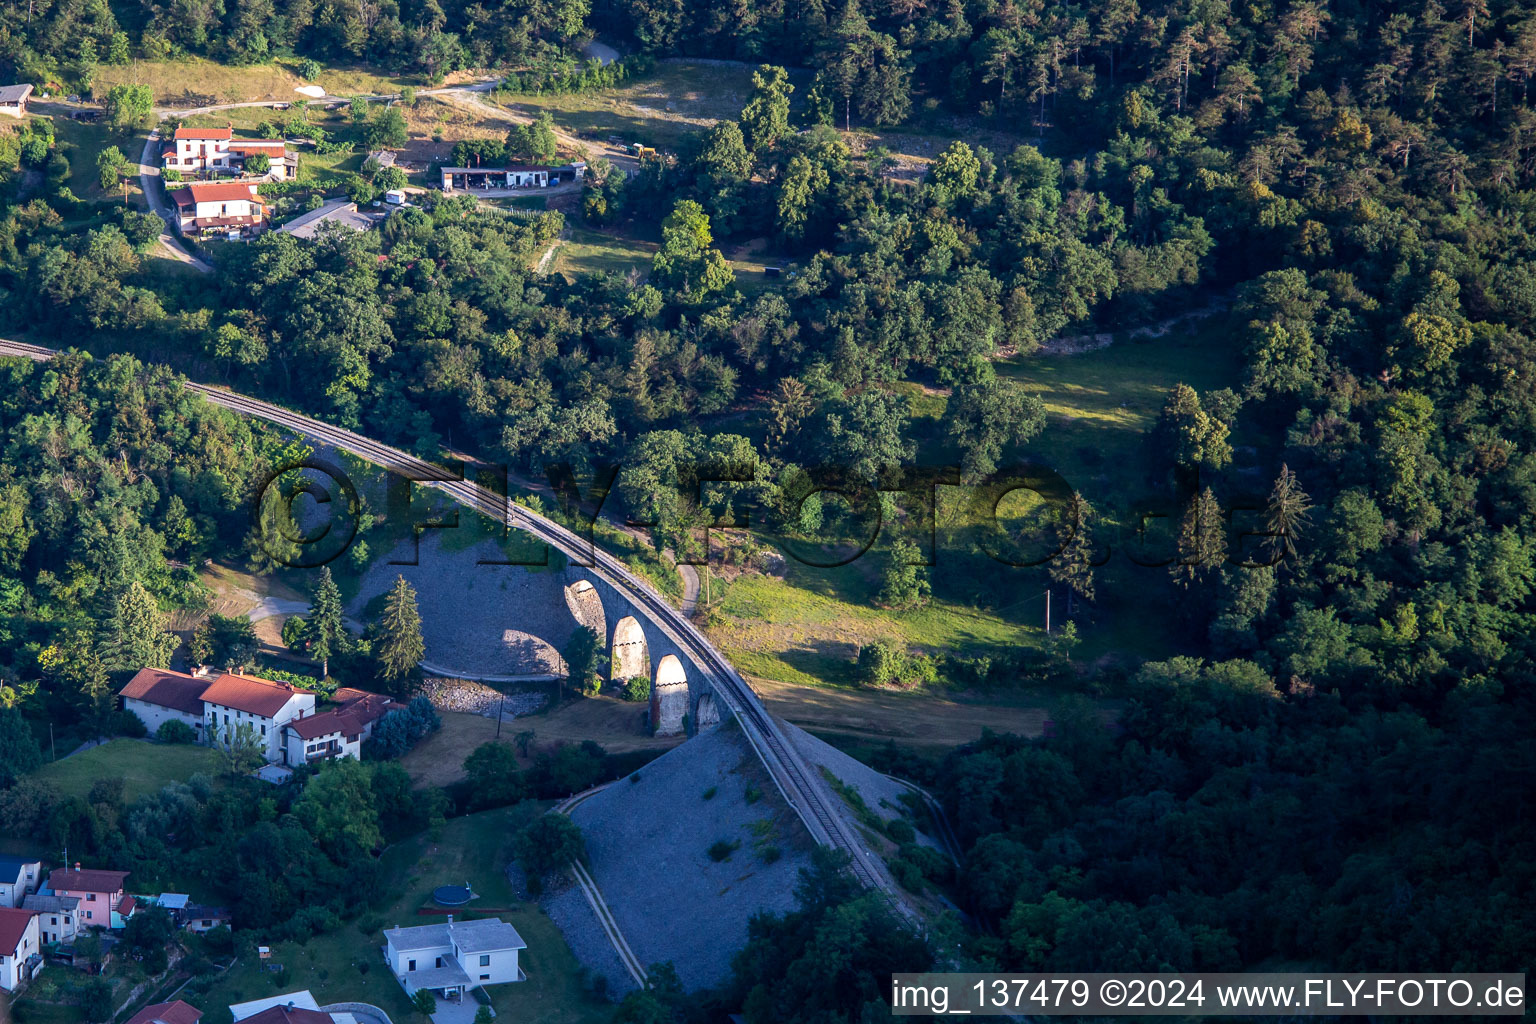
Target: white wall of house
(301,750)
(403,960)
(491,967)
(14,890)
(201,154)
(269,731)
(155,715)
(12,962)
(13,109)
(57,926)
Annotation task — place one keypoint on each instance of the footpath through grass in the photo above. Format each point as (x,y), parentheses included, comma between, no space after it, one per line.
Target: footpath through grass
(144,767)
(347,965)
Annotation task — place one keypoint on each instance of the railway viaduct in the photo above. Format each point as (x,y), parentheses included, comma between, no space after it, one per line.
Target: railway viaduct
(671,639)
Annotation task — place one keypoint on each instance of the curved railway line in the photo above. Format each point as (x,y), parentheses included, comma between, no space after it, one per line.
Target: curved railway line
(796,781)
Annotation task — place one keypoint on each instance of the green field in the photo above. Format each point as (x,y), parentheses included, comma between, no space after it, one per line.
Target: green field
(1101,403)
(144,767)
(660,109)
(586,251)
(807,628)
(82,143)
(194,81)
(346,965)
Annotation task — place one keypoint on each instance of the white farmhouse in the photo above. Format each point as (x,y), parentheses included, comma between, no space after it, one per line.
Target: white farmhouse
(448,959)
(199,149)
(339,732)
(18,876)
(225,208)
(13,100)
(20,950)
(58,917)
(158,695)
(232,702)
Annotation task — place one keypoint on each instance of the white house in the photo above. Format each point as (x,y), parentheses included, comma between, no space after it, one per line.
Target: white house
(225,208)
(58,917)
(158,695)
(339,732)
(13,100)
(18,877)
(197,150)
(474,178)
(449,958)
(232,702)
(20,949)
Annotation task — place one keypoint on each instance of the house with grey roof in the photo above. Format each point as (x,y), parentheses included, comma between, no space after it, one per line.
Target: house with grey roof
(58,917)
(13,100)
(451,958)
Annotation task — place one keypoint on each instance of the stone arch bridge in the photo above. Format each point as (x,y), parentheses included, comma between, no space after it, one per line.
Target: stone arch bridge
(681,699)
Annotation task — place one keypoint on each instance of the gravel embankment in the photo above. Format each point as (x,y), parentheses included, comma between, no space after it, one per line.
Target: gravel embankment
(647,844)
(882,795)
(479,698)
(567,906)
(477,620)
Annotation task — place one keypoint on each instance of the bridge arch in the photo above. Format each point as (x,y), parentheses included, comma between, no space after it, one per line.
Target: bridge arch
(631,655)
(586,606)
(669,697)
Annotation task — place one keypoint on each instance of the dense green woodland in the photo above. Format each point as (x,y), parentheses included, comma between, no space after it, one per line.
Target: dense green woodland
(1337,774)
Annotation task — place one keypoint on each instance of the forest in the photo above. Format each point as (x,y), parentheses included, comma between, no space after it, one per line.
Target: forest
(1334,773)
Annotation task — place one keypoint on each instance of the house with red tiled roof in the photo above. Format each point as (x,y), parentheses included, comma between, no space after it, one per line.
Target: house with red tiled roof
(20,948)
(233,703)
(158,695)
(339,732)
(226,209)
(173,1012)
(193,151)
(103,903)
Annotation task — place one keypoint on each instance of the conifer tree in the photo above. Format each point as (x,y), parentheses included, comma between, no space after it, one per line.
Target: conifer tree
(398,645)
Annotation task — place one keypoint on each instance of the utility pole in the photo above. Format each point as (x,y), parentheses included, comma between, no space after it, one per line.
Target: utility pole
(501,710)
(1047,611)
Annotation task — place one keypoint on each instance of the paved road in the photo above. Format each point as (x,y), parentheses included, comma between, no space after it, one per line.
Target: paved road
(154,194)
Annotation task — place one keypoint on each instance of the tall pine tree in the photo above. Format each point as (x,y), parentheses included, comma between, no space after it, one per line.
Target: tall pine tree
(1073,564)
(327,628)
(1202,540)
(135,636)
(397,644)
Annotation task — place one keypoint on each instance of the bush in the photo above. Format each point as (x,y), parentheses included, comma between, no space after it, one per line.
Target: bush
(96,1000)
(126,723)
(294,632)
(309,69)
(908,875)
(753,794)
(709,794)
(638,688)
(900,830)
(721,849)
(425,1002)
(552,842)
(771,854)
(175,732)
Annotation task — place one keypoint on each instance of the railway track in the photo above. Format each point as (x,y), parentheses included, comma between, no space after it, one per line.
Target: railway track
(804,791)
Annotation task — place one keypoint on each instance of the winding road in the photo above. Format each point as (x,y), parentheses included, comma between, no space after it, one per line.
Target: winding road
(801,786)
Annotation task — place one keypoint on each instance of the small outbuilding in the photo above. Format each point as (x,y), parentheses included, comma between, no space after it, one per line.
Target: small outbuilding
(13,100)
